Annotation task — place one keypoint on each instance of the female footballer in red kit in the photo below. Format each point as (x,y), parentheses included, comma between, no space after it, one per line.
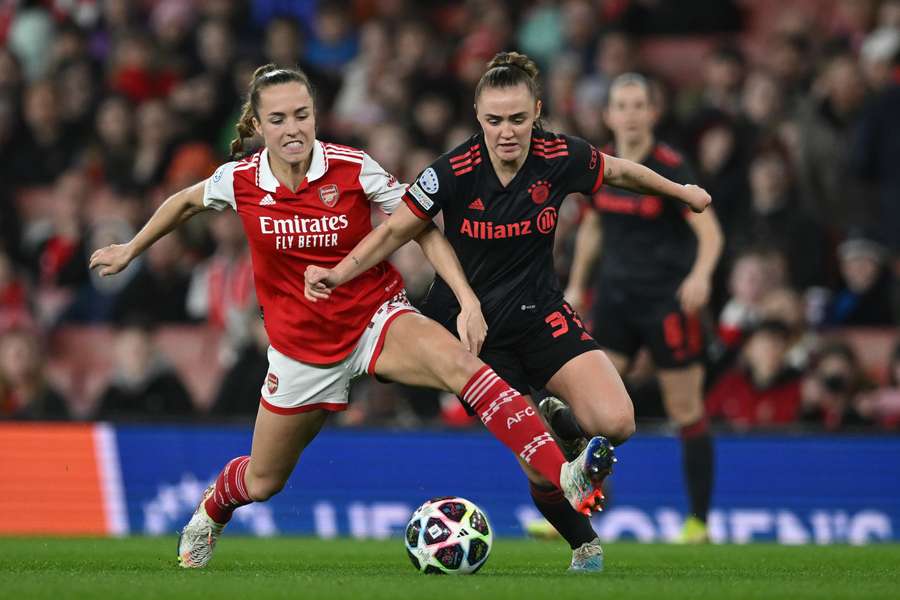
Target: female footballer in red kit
(305,202)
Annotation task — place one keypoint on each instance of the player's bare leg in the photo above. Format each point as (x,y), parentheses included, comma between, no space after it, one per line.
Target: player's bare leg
(599,405)
(278,441)
(682,392)
(592,387)
(418,351)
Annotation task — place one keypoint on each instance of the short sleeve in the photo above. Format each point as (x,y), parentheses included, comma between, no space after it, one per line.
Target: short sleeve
(584,169)
(380,186)
(218,191)
(431,190)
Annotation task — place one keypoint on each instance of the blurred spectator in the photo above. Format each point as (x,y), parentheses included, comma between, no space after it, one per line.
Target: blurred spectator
(158,291)
(357,106)
(875,155)
(78,94)
(754,272)
(221,289)
(786,306)
(776,220)
(432,115)
(763,389)
(14,309)
(865,298)
(172,22)
(154,144)
(58,259)
(44,150)
(30,35)
(579,29)
(762,105)
(134,69)
(883,404)
(832,391)
(877,56)
(25,392)
(826,125)
(113,150)
(723,75)
(540,35)
(239,391)
(788,57)
(722,172)
(283,45)
(334,43)
(143,385)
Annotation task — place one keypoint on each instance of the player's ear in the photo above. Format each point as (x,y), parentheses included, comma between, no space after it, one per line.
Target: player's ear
(257,126)
(537,109)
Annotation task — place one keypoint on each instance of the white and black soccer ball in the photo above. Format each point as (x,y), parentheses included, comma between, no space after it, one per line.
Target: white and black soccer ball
(448,535)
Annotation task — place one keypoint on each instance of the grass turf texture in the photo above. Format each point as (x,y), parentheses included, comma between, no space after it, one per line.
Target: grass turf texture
(309,568)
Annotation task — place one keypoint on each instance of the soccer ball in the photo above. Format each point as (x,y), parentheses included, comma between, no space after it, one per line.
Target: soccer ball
(448,535)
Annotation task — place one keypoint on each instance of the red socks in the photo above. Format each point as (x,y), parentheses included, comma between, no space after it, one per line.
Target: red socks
(230,492)
(514,422)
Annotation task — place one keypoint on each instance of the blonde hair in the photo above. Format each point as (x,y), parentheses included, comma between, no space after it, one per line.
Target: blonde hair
(263,77)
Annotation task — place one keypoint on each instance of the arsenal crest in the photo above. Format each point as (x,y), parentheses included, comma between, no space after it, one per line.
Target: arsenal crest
(329,194)
(272,382)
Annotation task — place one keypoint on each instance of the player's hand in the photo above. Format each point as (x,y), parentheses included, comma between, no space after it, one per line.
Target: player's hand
(472,327)
(318,283)
(111,259)
(693,294)
(575,297)
(695,197)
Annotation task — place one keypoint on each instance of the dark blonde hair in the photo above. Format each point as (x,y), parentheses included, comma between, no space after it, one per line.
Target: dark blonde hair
(263,77)
(509,69)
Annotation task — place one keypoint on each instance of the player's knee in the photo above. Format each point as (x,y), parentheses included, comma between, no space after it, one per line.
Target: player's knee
(460,366)
(261,489)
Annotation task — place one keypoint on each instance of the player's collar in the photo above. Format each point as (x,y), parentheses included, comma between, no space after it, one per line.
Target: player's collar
(266,179)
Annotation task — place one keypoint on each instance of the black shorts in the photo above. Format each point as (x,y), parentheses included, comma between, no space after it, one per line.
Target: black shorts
(623,321)
(530,359)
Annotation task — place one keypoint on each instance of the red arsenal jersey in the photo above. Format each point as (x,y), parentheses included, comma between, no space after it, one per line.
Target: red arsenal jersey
(318,224)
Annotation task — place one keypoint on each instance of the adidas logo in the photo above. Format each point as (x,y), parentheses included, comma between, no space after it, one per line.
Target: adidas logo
(477,204)
(462,532)
(267,200)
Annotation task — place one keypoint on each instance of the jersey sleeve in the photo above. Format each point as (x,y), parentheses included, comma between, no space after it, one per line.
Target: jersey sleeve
(432,189)
(218,191)
(584,168)
(380,186)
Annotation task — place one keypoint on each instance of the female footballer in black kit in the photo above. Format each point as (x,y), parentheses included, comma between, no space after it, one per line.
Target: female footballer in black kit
(500,193)
(655,276)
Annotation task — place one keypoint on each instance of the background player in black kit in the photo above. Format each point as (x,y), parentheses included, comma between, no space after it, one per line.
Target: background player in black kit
(500,192)
(654,278)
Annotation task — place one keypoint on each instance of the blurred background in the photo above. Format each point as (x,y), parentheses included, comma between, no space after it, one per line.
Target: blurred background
(789,111)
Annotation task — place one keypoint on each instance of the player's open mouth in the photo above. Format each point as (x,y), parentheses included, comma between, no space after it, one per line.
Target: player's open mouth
(293,145)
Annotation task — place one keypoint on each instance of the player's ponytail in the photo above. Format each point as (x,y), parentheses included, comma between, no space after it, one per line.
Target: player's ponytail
(509,69)
(263,77)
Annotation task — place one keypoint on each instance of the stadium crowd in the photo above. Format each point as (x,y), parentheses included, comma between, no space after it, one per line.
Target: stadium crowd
(789,112)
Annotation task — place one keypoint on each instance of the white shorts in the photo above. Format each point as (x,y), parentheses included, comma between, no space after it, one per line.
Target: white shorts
(293,387)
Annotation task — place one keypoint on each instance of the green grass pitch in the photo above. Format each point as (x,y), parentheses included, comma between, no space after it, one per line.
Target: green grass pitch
(517,569)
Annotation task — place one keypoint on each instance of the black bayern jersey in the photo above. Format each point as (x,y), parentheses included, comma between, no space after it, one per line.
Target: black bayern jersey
(504,236)
(647,244)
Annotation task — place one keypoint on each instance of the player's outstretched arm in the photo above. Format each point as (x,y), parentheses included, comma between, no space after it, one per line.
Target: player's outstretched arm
(177,209)
(587,249)
(470,323)
(638,178)
(381,242)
